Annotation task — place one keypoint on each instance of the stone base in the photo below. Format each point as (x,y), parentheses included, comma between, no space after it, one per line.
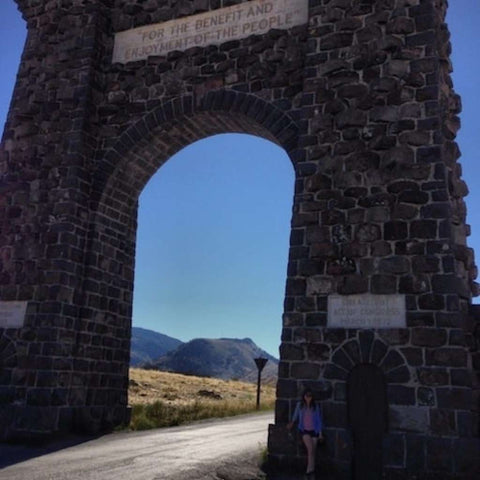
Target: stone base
(406,456)
(93,420)
(287,455)
(33,424)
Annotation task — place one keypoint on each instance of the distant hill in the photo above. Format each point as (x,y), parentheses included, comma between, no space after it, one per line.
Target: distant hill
(224,358)
(147,345)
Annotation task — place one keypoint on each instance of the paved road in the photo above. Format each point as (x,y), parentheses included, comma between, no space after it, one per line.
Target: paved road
(179,453)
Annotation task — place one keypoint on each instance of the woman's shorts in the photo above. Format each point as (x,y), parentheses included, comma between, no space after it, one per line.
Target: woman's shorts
(309,432)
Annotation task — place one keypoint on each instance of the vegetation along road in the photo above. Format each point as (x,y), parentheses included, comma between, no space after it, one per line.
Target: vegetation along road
(178,453)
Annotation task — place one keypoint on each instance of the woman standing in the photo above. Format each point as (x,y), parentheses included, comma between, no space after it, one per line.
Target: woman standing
(307,413)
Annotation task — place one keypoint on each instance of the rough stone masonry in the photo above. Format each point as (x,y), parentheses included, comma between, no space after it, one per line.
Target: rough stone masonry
(360,97)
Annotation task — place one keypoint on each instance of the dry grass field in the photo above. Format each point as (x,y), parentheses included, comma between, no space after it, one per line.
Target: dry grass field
(163,399)
(148,386)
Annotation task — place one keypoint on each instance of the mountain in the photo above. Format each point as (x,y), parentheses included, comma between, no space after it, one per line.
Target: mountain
(148,345)
(224,358)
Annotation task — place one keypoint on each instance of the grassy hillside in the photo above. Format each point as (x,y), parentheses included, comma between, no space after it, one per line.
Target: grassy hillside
(161,399)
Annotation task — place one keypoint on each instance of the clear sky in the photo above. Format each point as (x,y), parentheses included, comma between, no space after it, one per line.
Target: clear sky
(212,240)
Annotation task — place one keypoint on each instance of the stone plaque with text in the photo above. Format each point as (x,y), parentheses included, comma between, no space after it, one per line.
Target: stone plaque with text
(12,314)
(211,28)
(366,311)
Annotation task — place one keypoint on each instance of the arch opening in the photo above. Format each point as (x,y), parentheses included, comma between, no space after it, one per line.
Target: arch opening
(211,258)
(217,216)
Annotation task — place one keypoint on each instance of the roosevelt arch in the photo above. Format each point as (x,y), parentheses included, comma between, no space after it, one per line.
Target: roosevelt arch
(138,154)
(360,97)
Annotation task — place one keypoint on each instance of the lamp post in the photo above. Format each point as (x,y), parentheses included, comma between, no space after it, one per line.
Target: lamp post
(260,362)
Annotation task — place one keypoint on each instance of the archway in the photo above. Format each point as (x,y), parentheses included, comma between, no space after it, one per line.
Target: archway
(122,175)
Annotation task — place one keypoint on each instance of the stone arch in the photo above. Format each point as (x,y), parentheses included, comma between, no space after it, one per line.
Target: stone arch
(117,183)
(146,145)
(367,348)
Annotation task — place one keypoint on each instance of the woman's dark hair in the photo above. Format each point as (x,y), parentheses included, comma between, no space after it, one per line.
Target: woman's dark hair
(305,392)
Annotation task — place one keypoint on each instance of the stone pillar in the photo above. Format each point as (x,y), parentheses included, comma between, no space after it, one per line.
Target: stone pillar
(379,210)
(46,160)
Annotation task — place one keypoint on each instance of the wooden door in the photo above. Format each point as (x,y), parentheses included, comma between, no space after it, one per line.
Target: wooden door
(367,410)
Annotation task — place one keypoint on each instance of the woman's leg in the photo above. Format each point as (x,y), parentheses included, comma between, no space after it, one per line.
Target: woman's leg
(314,451)
(309,444)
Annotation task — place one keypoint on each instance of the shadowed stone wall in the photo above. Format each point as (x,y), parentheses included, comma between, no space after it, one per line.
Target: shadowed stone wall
(361,100)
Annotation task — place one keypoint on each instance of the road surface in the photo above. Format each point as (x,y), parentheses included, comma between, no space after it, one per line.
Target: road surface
(179,453)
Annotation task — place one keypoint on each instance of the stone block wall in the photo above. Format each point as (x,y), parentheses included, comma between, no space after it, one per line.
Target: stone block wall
(361,100)
(379,210)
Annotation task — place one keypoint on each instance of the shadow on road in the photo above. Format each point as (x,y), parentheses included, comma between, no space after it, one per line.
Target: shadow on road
(13,453)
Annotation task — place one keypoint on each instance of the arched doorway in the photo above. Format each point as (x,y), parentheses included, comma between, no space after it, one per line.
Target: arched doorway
(368,414)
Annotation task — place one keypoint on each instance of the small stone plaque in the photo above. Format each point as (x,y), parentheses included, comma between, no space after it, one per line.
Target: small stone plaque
(12,314)
(366,311)
(210,28)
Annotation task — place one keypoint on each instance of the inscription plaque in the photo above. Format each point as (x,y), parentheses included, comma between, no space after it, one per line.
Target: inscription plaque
(211,28)
(366,311)
(12,314)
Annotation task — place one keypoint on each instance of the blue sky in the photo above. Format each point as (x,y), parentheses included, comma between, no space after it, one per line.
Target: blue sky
(212,241)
